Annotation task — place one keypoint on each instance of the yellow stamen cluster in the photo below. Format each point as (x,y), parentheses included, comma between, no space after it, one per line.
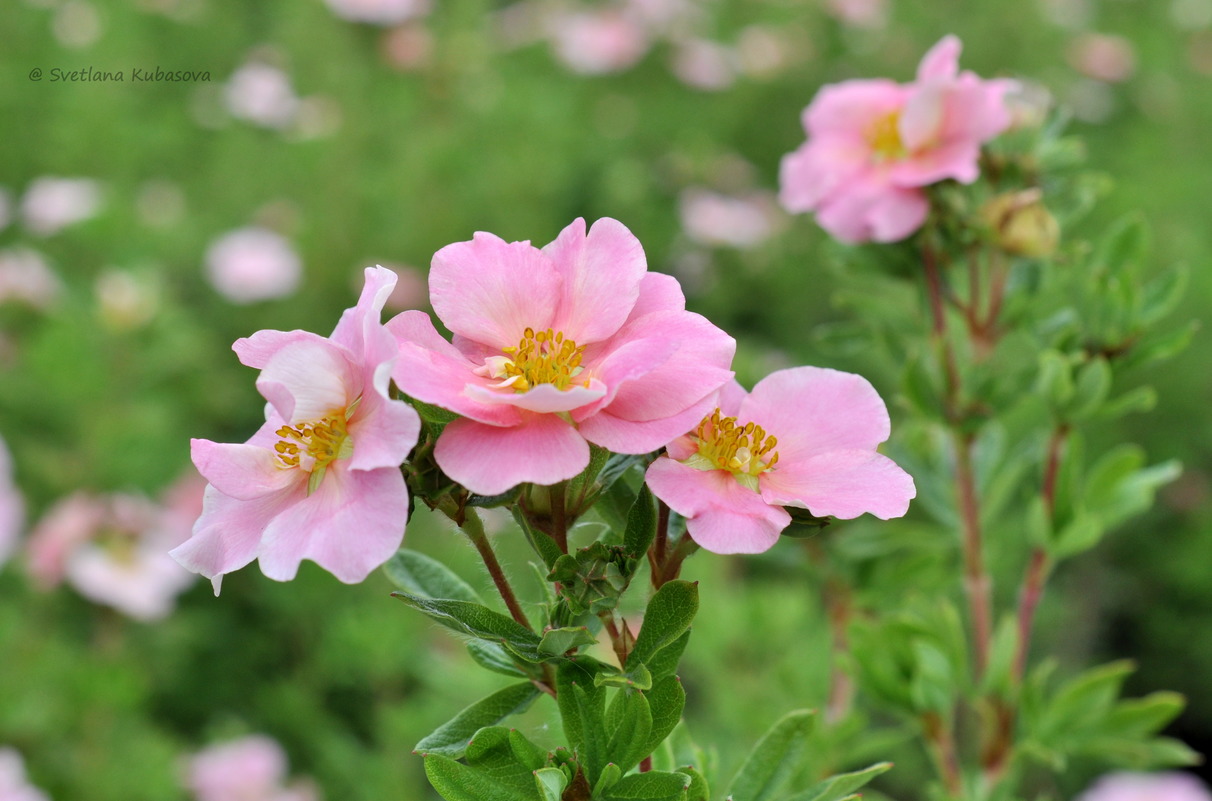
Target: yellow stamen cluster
(885,136)
(742,450)
(542,357)
(324,441)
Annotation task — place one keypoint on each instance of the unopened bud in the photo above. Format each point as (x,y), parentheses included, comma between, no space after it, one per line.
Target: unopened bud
(1021,223)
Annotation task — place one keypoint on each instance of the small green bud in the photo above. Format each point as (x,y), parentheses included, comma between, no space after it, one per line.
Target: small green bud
(1021,224)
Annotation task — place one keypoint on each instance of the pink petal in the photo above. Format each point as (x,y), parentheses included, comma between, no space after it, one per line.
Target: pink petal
(350,525)
(356,326)
(628,436)
(632,360)
(438,378)
(308,380)
(488,460)
(940,61)
(814,410)
(818,169)
(921,122)
(850,108)
(958,160)
(873,209)
(383,432)
(601,274)
(682,448)
(897,213)
(491,291)
(658,292)
(542,398)
(721,515)
(256,350)
(732,395)
(228,534)
(841,483)
(243,472)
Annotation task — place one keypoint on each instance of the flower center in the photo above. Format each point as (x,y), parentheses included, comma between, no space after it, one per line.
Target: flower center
(885,137)
(314,446)
(745,451)
(543,357)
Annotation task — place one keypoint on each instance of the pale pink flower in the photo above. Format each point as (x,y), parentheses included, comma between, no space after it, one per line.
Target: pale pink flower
(859,13)
(321,479)
(412,288)
(379,12)
(598,42)
(805,437)
(1126,786)
(252,264)
(873,144)
(553,349)
(68,524)
(261,94)
(12,506)
(51,204)
(704,64)
(14,786)
(1102,56)
(744,221)
(251,768)
(25,277)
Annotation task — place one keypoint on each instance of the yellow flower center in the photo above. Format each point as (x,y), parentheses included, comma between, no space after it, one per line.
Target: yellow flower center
(314,446)
(745,451)
(542,357)
(885,137)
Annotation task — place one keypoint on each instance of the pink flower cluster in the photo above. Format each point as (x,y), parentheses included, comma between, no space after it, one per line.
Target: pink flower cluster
(252,768)
(874,144)
(554,350)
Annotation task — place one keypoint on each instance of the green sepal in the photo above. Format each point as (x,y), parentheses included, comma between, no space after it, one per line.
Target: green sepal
(650,786)
(842,786)
(451,738)
(557,642)
(430,413)
(480,622)
(668,616)
(507,498)
(775,759)
(541,542)
(416,573)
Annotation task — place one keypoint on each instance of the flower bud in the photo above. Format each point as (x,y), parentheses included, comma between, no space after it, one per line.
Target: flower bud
(1021,224)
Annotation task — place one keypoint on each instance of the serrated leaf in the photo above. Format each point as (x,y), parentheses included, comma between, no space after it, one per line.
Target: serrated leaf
(775,759)
(451,738)
(668,616)
(478,621)
(556,642)
(842,786)
(641,524)
(423,576)
(650,786)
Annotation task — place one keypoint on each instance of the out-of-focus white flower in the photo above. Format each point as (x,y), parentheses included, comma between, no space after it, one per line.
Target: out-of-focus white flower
(14,786)
(12,510)
(704,64)
(249,769)
(379,12)
(51,204)
(710,218)
(1102,56)
(1127,786)
(597,42)
(762,51)
(126,301)
(261,94)
(25,277)
(251,264)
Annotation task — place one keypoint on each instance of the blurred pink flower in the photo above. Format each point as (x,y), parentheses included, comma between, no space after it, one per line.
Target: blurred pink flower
(1102,56)
(710,218)
(859,13)
(1125,786)
(14,786)
(12,506)
(872,145)
(597,42)
(703,64)
(553,349)
(51,204)
(321,478)
(113,550)
(379,12)
(407,47)
(25,277)
(412,288)
(805,437)
(252,264)
(261,94)
(252,768)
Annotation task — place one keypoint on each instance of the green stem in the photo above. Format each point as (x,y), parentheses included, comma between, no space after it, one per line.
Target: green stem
(559,518)
(471,525)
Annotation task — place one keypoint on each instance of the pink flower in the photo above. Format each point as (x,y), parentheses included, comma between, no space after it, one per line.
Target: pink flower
(321,479)
(553,349)
(805,437)
(14,786)
(598,42)
(54,203)
(873,144)
(710,218)
(251,264)
(26,277)
(262,94)
(12,506)
(1124,786)
(379,12)
(249,769)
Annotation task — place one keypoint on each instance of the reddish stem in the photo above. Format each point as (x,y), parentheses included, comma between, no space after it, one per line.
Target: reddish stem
(976,580)
(471,526)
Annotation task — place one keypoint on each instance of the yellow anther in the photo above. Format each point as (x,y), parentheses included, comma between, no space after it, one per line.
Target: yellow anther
(322,442)
(884,136)
(743,450)
(541,357)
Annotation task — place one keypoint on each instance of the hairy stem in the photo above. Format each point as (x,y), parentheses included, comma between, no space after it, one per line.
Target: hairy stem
(474,529)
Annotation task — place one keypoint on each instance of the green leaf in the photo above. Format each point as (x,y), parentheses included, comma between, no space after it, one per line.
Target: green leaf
(578,487)
(492,501)
(666,699)
(641,524)
(667,618)
(542,544)
(775,759)
(665,662)
(430,413)
(1124,245)
(527,754)
(491,656)
(1090,390)
(551,783)
(1081,534)
(478,621)
(1141,717)
(837,788)
(637,677)
(494,752)
(1140,399)
(609,778)
(583,712)
(451,738)
(650,786)
(629,721)
(556,642)
(455,781)
(1160,346)
(1055,380)
(698,790)
(1162,294)
(426,577)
